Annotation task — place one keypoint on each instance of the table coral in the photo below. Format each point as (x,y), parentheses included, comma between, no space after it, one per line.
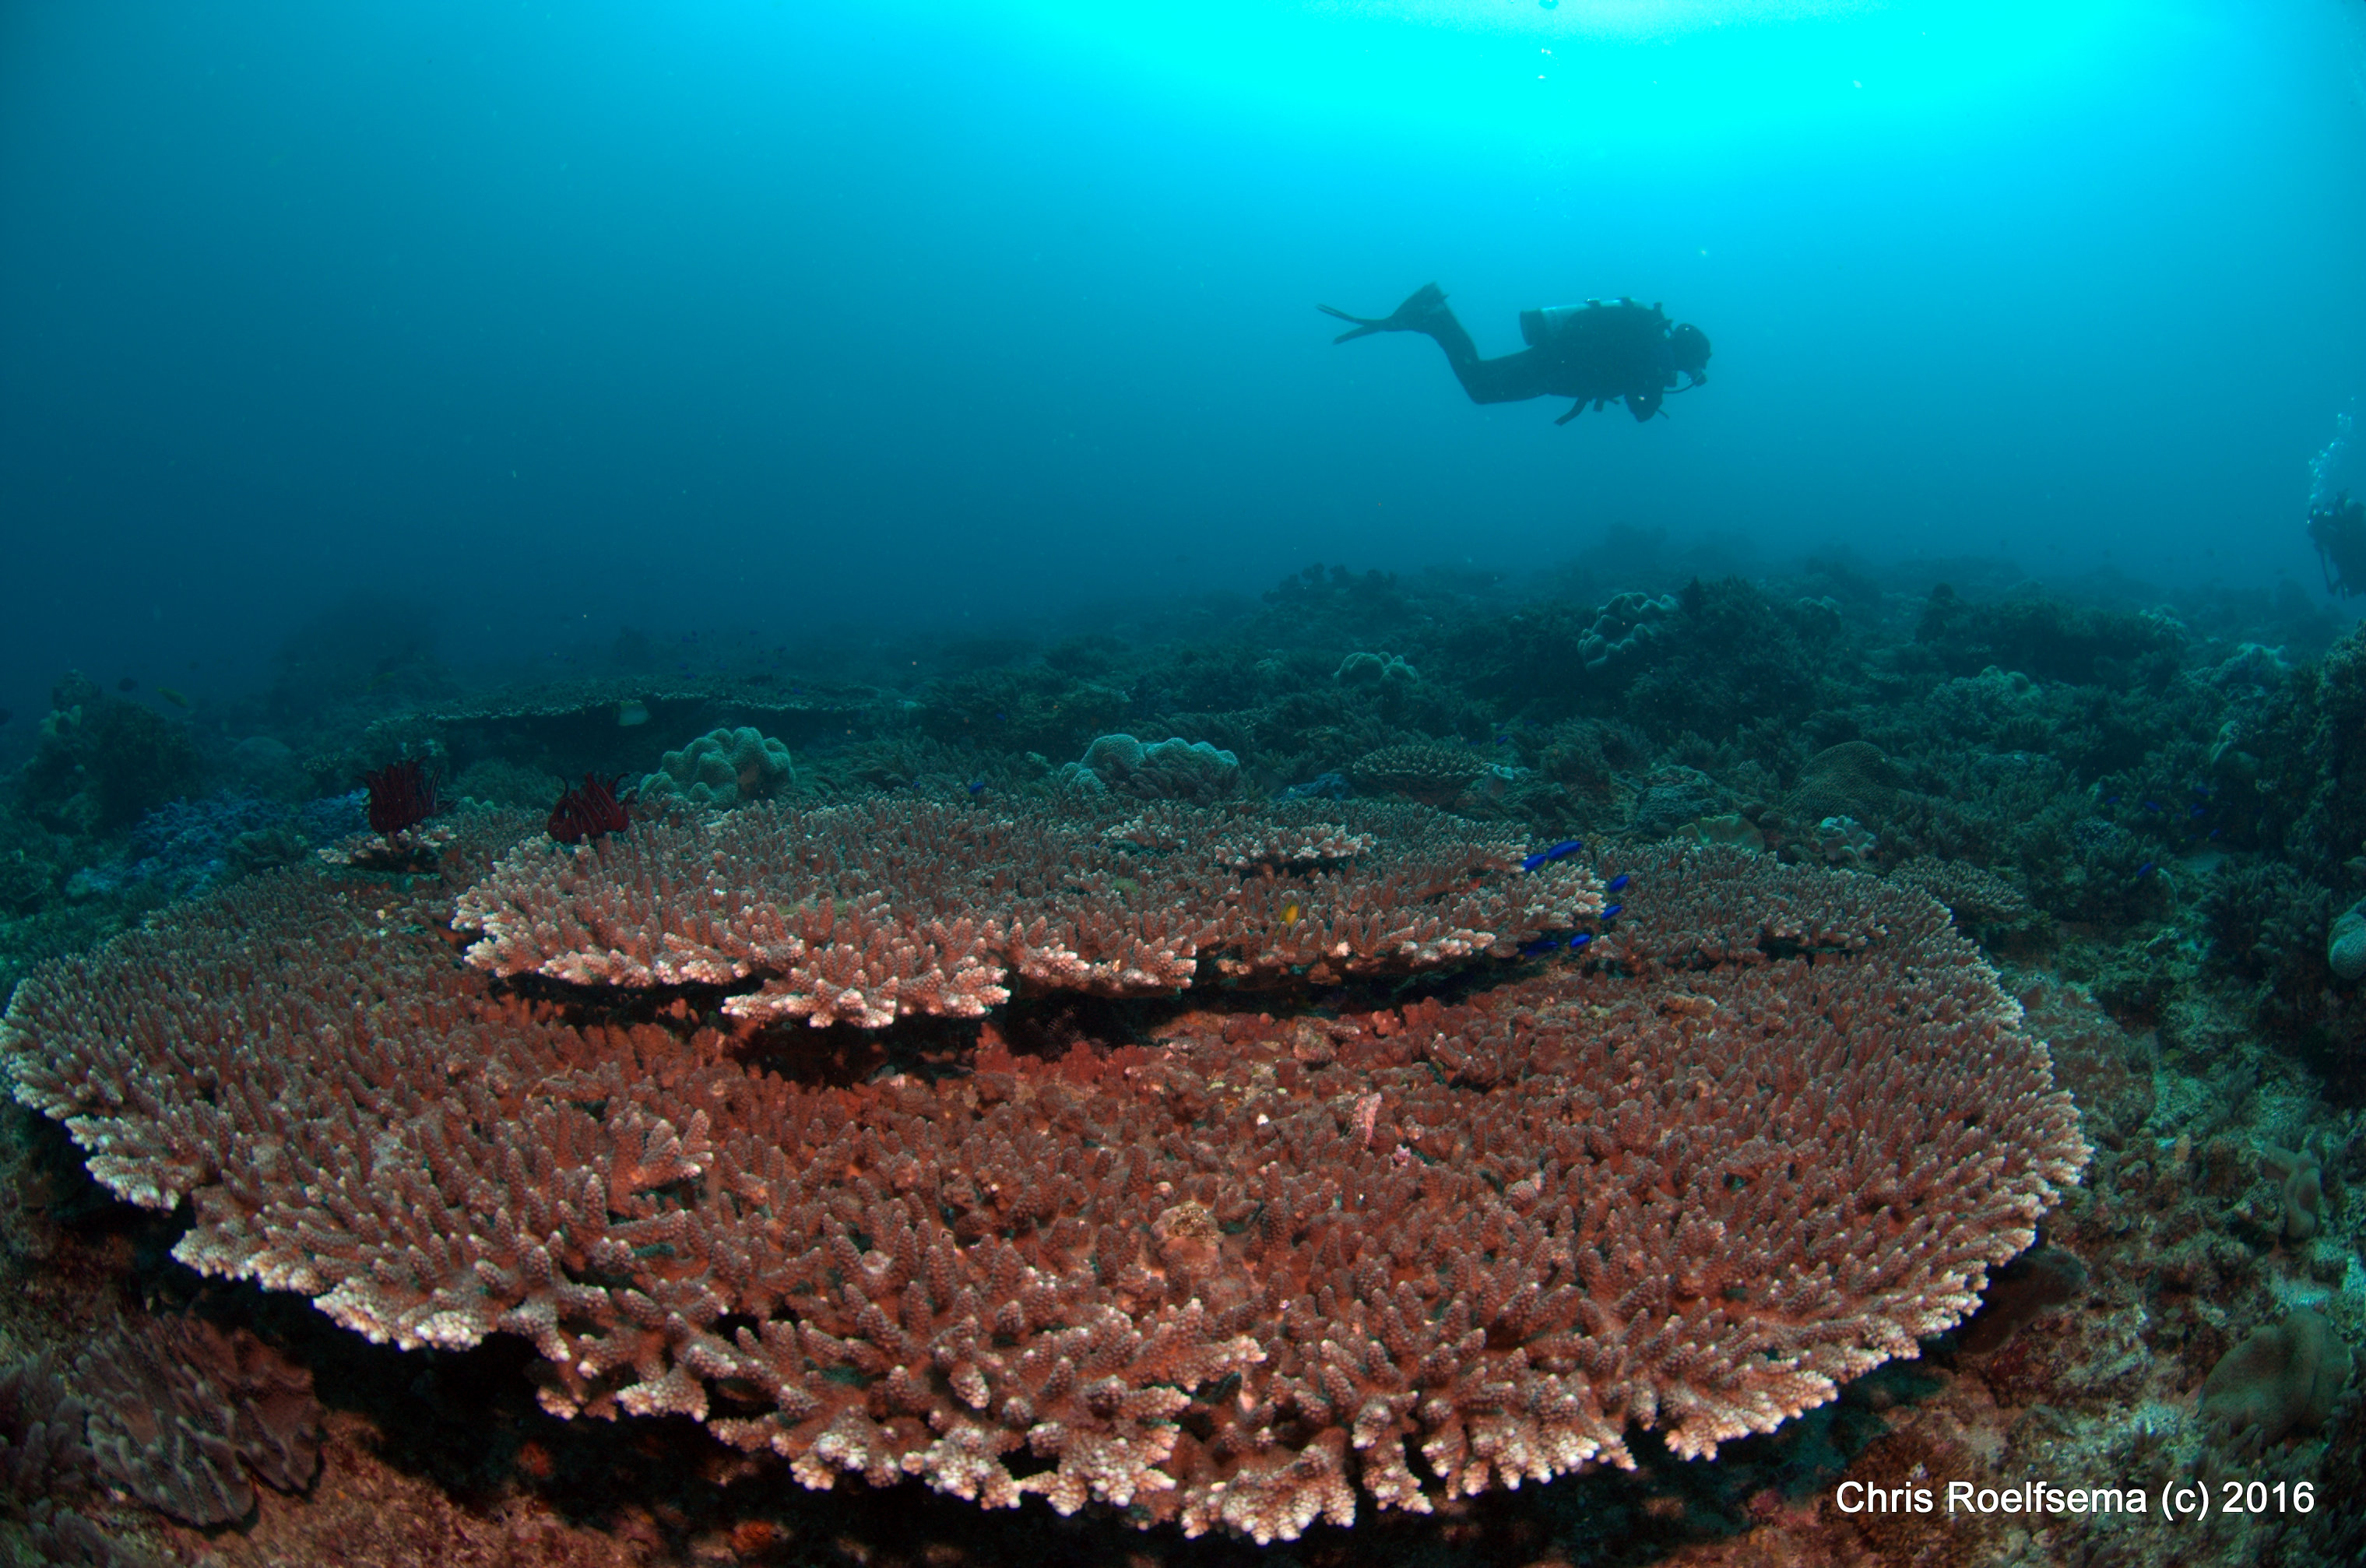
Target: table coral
(1779,1125)
(863,914)
(1434,776)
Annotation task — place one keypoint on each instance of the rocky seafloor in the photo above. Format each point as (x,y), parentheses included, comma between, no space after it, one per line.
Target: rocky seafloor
(2149,809)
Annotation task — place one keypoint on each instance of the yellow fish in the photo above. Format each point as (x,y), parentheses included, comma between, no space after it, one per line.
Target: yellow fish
(172,697)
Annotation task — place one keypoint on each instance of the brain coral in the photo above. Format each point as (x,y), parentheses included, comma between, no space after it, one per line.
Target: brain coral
(1240,1278)
(1851,779)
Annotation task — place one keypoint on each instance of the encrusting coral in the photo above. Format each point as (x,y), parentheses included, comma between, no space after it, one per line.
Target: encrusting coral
(1780,1125)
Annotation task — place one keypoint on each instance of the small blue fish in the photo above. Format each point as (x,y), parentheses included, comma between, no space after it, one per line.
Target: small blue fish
(1566,847)
(2202,789)
(1621,880)
(2144,871)
(2110,800)
(2197,811)
(1612,912)
(2213,832)
(2152,805)
(977,787)
(1538,949)
(1579,939)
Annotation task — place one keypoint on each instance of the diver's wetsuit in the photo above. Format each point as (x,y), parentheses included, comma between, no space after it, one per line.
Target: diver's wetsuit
(1595,353)
(2338,529)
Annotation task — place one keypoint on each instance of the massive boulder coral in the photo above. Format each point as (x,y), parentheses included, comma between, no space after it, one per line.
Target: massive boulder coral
(719,769)
(1236,1275)
(1172,769)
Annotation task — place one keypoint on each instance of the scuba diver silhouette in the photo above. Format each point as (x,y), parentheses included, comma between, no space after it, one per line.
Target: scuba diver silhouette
(1597,353)
(2338,529)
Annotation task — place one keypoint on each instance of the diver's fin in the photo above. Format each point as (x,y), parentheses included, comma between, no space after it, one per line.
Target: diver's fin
(1574,410)
(1413,316)
(1365,325)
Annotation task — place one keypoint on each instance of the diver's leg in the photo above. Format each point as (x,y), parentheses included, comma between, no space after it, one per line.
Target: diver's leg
(1506,380)
(1510,380)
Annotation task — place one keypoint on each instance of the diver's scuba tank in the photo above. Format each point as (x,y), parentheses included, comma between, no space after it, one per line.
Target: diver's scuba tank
(1539,326)
(1546,321)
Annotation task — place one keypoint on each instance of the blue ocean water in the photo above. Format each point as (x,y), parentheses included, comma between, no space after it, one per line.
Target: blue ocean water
(820,320)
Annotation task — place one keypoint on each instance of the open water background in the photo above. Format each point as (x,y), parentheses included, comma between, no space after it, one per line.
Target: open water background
(855,320)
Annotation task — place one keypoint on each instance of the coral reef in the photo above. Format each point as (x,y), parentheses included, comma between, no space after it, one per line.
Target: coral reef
(2283,1379)
(1778,1127)
(183,1413)
(1044,709)
(590,810)
(1173,768)
(1625,630)
(1670,798)
(723,768)
(45,1466)
(1434,775)
(1375,670)
(1843,840)
(2345,945)
(1978,899)
(1851,779)
(1003,1123)
(104,761)
(401,795)
(862,914)
(2046,640)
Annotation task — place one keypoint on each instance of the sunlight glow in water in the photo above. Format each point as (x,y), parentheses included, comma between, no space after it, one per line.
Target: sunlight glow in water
(1615,71)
